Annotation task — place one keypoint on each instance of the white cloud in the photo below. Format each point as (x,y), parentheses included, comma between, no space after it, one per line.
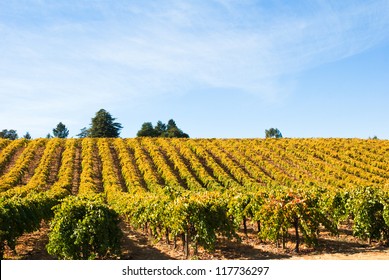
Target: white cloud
(193,43)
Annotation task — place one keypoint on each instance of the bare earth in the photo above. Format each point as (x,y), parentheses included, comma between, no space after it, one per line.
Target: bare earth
(138,246)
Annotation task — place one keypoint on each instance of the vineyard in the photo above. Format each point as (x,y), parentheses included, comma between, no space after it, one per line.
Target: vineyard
(192,192)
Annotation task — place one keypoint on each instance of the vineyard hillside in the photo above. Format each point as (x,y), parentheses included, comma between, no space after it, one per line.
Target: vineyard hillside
(195,191)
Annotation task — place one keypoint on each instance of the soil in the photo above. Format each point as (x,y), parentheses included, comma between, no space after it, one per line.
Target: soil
(136,245)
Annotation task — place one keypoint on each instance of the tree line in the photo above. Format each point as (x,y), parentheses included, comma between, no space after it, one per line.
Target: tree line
(103,125)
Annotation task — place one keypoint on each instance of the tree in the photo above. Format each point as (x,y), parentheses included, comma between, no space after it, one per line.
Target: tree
(147,130)
(161,130)
(273,133)
(172,131)
(60,131)
(171,124)
(103,125)
(84,133)
(9,134)
(27,135)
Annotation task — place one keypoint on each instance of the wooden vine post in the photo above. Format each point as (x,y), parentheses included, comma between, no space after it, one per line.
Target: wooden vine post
(296,228)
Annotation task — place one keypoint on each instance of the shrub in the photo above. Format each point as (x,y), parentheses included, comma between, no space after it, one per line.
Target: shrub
(84,229)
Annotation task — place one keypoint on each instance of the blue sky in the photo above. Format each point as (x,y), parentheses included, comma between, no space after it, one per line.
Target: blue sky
(219,68)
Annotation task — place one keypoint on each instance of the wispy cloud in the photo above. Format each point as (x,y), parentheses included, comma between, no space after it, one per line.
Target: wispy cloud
(248,48)
(81,53)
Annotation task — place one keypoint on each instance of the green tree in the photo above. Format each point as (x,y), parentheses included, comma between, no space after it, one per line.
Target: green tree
(60,131)
(9,134)
(84,133)
(147,130)
(172,131)
(27,135)
(160,128)
(273,133)
(103,125)
(171,124)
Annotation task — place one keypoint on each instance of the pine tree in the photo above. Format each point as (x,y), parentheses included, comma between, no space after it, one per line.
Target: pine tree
(103,125)
(83,133)
(172,131)
(27,135)
(60,131)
